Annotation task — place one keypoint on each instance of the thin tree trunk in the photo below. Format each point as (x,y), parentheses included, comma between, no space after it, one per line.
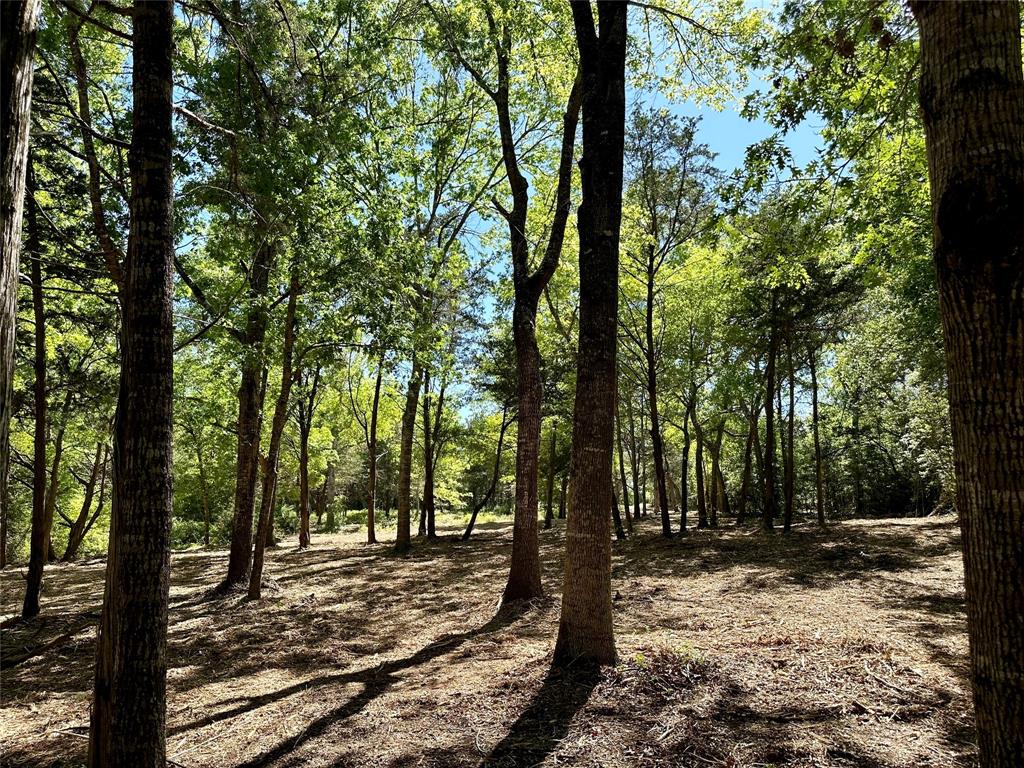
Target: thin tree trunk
(585,633)
(426,520)
(748,451)
(403,536)
(494,478)
(790,440)
(304,535)
(250,418)
(684,480)
(549,502)
(770,501)
(39,539)
(204,488)
(972,104)
(77,528)
(263,530)
(622,470)
(130,699)
(563,496)
(657,447)
(819,470)
(371,447)
(702,499)
(19,19)
(620,534)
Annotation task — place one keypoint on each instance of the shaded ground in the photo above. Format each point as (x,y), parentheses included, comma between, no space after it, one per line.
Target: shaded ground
(838,648)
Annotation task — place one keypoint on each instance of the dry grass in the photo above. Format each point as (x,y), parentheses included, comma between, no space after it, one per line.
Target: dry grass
(837,648)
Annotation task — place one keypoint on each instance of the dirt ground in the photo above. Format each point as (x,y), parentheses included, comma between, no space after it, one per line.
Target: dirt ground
(838,648)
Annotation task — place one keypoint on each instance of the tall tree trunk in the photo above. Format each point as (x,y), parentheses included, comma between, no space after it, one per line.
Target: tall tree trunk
(304,535)
(787,521)
(265,523)
(524,581)
(19,19)
(563,496)
(972,102)
(770,500)
(403,536)
(721,497)
(620,533)
(250,417)
(371,447)
(585,632)
(657,447)
(819,470)
(39,539)
(129,699)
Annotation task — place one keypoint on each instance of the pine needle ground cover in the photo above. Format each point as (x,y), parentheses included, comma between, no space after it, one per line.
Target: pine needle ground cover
(844,647)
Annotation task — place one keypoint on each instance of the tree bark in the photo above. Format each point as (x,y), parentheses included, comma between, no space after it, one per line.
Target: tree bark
(748,451)
(129,699)
(972,103)
(657,446)
(549,503)
(83,524)
(585,633)
(403,536)
(634,459)
(39,538)
(684,480)
(250,418)
(622,470)
(265,523)
(19,19)
(426,521)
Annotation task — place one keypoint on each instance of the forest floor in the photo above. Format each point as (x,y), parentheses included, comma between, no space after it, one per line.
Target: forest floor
(843,647)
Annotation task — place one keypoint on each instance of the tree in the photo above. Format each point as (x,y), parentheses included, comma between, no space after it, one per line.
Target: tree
(129,697)
(585,626)
(972,101)
(18,19)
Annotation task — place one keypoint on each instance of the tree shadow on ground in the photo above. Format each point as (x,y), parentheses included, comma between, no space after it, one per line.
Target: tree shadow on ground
(374,681)
(545,722)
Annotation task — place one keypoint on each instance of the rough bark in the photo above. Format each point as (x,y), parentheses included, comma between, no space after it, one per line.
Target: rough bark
(585,632)
(972,103)
(280,418)
(19,19)
(129,699)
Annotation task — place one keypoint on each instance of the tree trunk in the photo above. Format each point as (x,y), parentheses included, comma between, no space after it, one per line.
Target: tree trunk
(304,536)
(263,529)
(76,530)
(563,496)
(19,19)
(770,500)
(403,536)
(634,464)
(748,451)
(684,480)
(972,102)
(549,502)
(428,459)
(620,534)
(819,470)
(371,447)
(657,447)
(39,540)
(622,470)
(790,463)
(494,478)
(702,499)
(250,418)
(585,633)
(130,699)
